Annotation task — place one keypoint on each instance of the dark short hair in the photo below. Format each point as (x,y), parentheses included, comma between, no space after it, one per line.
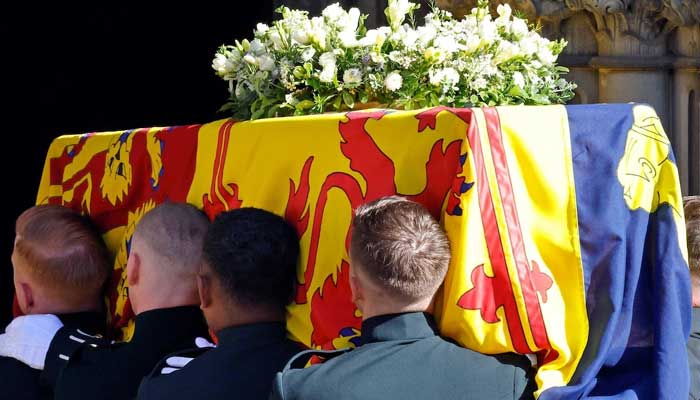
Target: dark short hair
(691,208)
(400,246)
(63,250)
(253,253)
(175,232)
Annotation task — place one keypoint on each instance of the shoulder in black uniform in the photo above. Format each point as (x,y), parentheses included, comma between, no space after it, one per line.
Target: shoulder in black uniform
(246,359)
(402,357)
(99,370)
(22,382)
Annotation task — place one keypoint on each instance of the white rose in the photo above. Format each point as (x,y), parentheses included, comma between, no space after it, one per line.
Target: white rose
(397,36)
(426,34)
(447,44)
(527,46)
(266,62)
(348,39)
(469,22)
(448,77)
(478,83)
(308,54)
(250,59)
(393,81)
(328,74)
(333,12)
(327,59)
(352,75)
(473,43)
(545,55)
(257,47)
(261,28)
(505,52)
(222,65)
(488,31)
(518,79)
(451,76)
(301,36)
(519,27)
(410,38)
(377,58)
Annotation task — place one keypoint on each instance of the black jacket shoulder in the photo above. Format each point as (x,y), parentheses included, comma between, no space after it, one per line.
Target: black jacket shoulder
(242,366)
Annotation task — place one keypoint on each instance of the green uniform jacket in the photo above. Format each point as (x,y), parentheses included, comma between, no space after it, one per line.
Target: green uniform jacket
(402,357)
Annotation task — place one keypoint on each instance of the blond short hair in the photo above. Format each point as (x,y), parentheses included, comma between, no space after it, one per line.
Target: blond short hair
(62,251)
(401,247)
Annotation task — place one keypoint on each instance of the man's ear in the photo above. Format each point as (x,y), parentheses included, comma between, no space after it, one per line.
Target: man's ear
(25,297)
(204,289)
(133,268)
(356,289)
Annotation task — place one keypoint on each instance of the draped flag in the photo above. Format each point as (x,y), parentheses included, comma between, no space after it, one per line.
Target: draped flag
(566,224)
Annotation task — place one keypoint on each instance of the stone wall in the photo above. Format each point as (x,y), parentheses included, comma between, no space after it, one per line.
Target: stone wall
(644,51)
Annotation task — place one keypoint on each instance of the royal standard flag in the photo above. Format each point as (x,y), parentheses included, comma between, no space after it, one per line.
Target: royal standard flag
(566,224)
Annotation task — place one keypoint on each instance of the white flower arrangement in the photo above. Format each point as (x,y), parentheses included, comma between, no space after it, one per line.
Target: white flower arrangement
(303,65)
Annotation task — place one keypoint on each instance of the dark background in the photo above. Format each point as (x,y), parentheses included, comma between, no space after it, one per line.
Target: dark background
(67,69)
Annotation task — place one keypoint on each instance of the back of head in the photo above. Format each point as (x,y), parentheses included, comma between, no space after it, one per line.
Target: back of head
(62,253)
(253,254)
(173,234)
(691,205)
(400,247)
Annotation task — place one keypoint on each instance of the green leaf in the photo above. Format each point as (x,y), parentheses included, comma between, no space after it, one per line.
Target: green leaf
(336,103)
(348,100)
(304,105)
(257,114)
(539,98)
(516,91)
(272,112)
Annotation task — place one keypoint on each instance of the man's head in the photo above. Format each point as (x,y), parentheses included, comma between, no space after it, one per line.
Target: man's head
(249,270)
(399,257)
(691,205)
(60,261)
(164,257)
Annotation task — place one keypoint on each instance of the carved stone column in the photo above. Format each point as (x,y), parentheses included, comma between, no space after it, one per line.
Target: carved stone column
(685,46)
